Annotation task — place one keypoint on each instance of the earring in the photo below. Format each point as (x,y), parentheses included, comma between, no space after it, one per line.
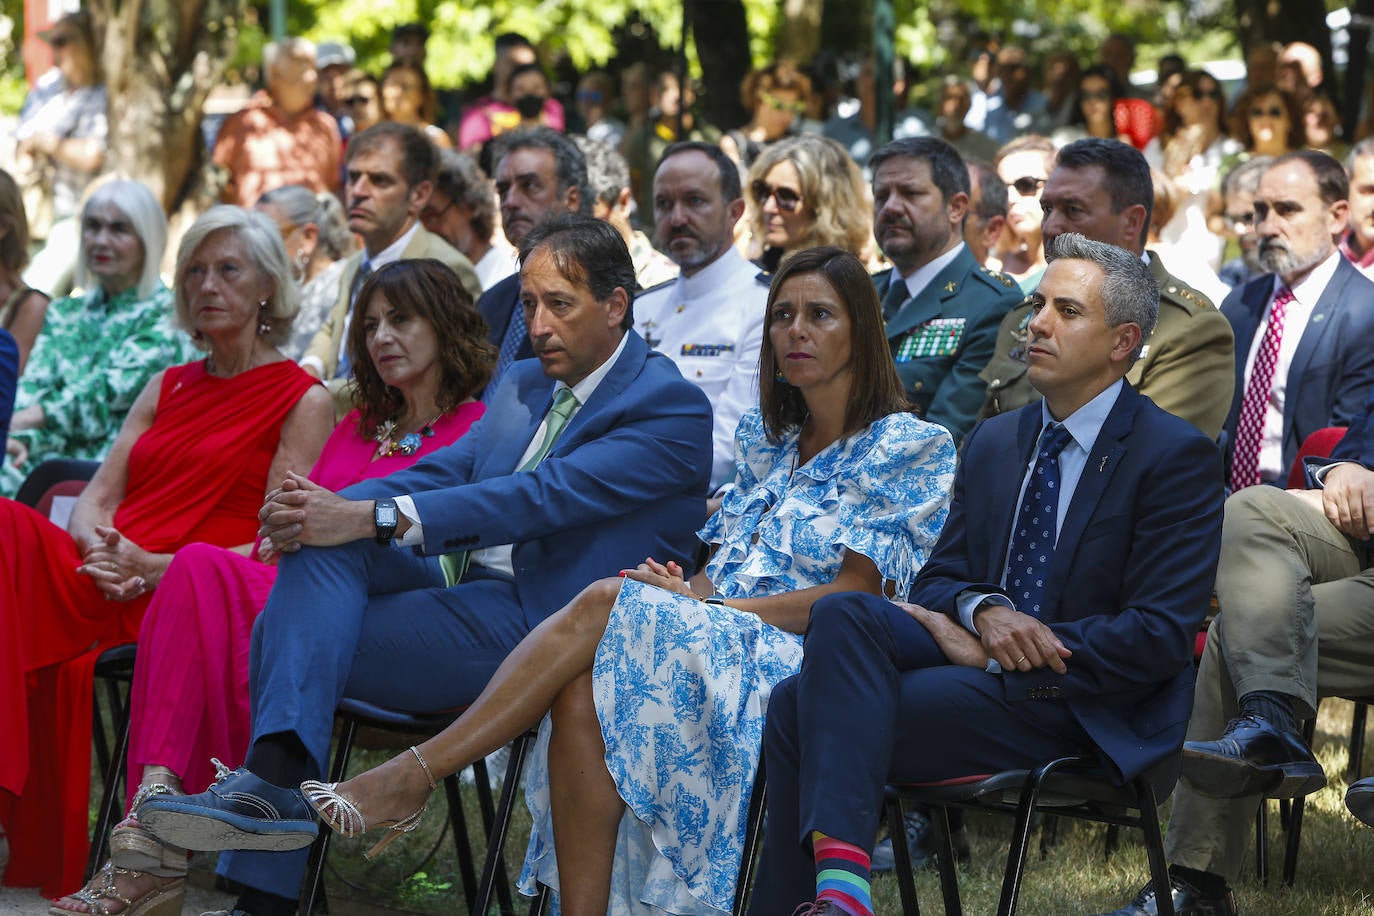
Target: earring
(264,326)
(780,378)
(299,263)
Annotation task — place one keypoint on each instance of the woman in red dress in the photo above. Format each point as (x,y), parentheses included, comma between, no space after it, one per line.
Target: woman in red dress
(192,462)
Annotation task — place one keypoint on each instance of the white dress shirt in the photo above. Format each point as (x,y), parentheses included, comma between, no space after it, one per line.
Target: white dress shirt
(496,265)
(499,557)
(711,325)
(1305,296)
(920,277)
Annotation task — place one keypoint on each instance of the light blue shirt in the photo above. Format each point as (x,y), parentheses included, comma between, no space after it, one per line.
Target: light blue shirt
(1084,426)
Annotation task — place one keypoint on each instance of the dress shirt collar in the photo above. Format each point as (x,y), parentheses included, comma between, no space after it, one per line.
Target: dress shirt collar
(921,276)
(393,251)
(1085,423)
(1348,248)
(587,387)
(712,278)
(1311,287)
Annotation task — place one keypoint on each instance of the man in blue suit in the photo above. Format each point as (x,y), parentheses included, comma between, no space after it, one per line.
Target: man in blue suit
(942,308)
(1056,615)
(1303,359)
(588,460)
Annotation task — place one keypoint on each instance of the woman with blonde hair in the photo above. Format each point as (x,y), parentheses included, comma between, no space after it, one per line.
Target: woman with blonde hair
(22,308)
(805,192)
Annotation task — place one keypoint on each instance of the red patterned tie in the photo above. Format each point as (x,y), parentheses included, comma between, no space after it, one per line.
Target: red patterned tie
(1250,427)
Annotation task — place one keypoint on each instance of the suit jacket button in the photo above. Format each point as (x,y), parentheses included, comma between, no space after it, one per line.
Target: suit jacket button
(1054,691)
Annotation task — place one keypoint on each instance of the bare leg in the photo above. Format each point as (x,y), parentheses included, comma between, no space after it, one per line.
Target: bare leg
(583,800)
(521,691)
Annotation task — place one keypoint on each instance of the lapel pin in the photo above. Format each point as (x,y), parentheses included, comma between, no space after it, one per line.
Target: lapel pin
(1103,466)
(950,286)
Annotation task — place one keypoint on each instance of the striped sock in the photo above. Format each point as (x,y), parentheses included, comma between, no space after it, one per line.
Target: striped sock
(842,875)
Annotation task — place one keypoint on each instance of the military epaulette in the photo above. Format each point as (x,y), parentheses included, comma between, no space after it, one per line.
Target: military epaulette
(764,278)
(998,277)
(658,286)
(1180,291)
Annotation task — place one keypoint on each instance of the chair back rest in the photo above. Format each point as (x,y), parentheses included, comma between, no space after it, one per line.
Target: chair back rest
(52,487)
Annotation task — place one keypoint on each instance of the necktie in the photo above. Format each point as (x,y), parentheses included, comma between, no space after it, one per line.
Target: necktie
(364,271)
(510,345)
(895,297)
(1032,543)
(1253,409)
(455,565)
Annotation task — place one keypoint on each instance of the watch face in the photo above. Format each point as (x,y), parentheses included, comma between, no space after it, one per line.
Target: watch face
(386,516)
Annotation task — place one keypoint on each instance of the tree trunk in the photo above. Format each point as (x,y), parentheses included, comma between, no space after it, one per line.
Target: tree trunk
(160,60)
(722,38)
(799,37)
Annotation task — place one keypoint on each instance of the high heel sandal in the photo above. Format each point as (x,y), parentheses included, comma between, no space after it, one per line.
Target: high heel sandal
(134,848)
(343,817)
(159,900)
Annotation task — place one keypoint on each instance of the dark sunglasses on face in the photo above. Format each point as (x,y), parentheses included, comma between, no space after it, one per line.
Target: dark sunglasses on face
(354,100)
(1095,95)
(1273,111)
(788,199)
(1026,186)
(1202,94)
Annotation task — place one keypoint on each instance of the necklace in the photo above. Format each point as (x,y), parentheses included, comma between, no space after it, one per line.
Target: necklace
(408,444)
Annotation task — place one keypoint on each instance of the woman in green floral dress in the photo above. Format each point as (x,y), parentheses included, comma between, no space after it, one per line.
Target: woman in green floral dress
(97,350)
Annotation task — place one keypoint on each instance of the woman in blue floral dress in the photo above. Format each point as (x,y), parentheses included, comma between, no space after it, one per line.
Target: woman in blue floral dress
(657,685)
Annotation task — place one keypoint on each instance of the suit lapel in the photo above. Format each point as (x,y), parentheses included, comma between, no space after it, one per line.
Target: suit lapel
(1318,326)
(1103,461)
(622,374)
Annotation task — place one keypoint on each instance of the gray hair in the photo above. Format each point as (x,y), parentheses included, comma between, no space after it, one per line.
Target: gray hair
(141,207)
(276,51)
(1364,148)
(569,166)
(262,244)
(301,206)
(607,172)
(1129,292)
(1246,176)
(462,181)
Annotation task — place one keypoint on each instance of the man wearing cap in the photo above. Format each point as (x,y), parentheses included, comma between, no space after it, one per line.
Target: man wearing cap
(332,62)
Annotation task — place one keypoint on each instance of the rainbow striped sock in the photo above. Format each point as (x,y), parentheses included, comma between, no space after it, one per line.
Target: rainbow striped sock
(842,875)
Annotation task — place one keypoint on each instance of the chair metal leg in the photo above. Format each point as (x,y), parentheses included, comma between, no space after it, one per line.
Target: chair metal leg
(462,845)
(1290,852)
(112,795)
(901,856)
(1154,848)
(1262,841)
(1020,841)
(500,826)
(540,906)
(313,890)
(944,852)
(753,832)
(1357,724)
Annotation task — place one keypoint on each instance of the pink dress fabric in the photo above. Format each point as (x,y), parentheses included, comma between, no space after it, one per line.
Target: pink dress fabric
(190,691)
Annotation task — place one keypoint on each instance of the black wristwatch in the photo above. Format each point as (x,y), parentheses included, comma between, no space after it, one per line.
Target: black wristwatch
(715,599)
(385,517)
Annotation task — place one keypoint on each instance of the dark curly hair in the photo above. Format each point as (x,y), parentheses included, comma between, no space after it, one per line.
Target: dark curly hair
(431,290)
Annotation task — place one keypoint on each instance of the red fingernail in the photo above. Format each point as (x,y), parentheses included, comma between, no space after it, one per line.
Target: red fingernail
(622,574)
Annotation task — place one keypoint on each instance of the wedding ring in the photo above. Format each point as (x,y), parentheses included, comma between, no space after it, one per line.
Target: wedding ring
(1021,659)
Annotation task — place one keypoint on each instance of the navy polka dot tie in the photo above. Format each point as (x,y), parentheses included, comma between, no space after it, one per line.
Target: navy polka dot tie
(1032,543)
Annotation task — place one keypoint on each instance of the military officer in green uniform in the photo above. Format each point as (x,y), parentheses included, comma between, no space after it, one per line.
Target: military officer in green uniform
(942,309)
(1102,189)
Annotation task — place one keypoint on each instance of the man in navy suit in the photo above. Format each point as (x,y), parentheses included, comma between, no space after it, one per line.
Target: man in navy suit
(942,308)
(354,613)
(539,173)
(1303,360)
(1069,631)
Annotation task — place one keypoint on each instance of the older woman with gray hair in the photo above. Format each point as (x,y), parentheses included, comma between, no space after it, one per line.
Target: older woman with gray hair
(318,241)
(98,349)
(197,453)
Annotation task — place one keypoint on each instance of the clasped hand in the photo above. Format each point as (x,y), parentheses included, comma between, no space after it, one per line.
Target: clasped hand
(120,568)
(667,576)
(1019,642)
(301,512)
(1347,499)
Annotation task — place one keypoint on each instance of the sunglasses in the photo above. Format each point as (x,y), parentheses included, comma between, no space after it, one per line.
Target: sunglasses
(1203,94)
(429,213)
(1026,186)
(355,100)
(1095,95)
(788,199)
(1274,111)
(797,107)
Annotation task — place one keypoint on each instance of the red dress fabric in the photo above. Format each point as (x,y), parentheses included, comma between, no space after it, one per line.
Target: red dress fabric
(190,694)
(197,474)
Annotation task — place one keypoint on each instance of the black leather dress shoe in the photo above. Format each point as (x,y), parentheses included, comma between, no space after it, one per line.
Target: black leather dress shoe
(1252,757)
(1359,798)
(1188,901)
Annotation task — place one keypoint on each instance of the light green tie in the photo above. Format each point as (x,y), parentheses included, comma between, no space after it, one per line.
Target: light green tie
(455,565)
